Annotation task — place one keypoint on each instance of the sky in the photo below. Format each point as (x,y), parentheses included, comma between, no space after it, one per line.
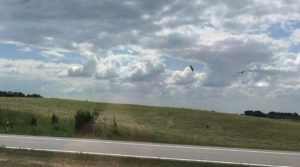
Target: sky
(139,51)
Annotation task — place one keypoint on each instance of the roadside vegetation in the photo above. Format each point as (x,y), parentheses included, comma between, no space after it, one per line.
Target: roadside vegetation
(27,158)
(16,122)
(71,118)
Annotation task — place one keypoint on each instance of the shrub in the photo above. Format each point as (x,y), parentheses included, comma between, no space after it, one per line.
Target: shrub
(34,95)
(54,119)
(33,121)
(83,119)
(115,124)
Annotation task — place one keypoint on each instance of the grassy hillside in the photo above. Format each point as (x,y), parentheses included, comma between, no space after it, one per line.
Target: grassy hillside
(26,158)
(156,124)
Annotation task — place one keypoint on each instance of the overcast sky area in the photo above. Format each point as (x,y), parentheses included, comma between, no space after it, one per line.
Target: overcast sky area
(139,51)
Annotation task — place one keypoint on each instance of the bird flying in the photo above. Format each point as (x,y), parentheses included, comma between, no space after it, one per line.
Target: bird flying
(191,67)
(241,72)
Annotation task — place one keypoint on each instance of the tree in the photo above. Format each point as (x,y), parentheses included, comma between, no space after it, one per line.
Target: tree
(17,94)
(249,113)
(34,95)
(259,114)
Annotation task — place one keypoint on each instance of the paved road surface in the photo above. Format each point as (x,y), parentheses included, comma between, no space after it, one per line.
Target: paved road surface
(153,150)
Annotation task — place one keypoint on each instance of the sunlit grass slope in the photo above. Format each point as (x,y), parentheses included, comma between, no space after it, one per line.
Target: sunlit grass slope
(156,124)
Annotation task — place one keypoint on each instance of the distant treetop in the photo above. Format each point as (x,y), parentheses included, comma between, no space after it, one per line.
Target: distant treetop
(273,114)
(18,94)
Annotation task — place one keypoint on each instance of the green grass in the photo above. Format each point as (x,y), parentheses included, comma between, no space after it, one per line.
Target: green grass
(20,123)
(26,158)
(155,124)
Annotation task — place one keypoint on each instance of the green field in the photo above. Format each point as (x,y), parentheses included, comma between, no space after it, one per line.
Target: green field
(151,124)
(26,158)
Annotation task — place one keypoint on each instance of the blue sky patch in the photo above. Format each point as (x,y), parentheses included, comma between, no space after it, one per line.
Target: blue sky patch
(13,52)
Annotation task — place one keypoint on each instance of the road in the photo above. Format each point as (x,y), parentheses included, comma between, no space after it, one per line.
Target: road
(154,150)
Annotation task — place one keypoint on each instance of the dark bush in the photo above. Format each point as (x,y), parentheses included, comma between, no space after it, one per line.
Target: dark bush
(83,119)
(54,119)
(34,95)
(115,124)
(33,121)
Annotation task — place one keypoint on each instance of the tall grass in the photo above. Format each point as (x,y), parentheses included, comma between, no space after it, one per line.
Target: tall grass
(21,123)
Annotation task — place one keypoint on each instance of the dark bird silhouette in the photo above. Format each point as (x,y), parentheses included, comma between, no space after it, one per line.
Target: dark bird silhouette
(241,72)
(191,67)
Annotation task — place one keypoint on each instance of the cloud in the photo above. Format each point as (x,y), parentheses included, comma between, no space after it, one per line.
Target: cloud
(262,84)
(295,36)
(89,64)
(142,69)
(125,67)
(109,67)
(54,53)
(31,68)
(111,23)
(229,54)
(185,78)
(87,69)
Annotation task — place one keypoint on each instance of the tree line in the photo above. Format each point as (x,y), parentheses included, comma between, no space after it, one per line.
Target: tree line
(18,94)
(272,114)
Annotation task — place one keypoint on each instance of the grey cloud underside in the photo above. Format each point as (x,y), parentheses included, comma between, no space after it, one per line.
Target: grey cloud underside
(105,23)
(108,23)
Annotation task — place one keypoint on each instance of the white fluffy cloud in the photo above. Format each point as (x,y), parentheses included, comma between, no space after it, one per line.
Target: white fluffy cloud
(128,67)
(186,77)
(295,36)
(142,69)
